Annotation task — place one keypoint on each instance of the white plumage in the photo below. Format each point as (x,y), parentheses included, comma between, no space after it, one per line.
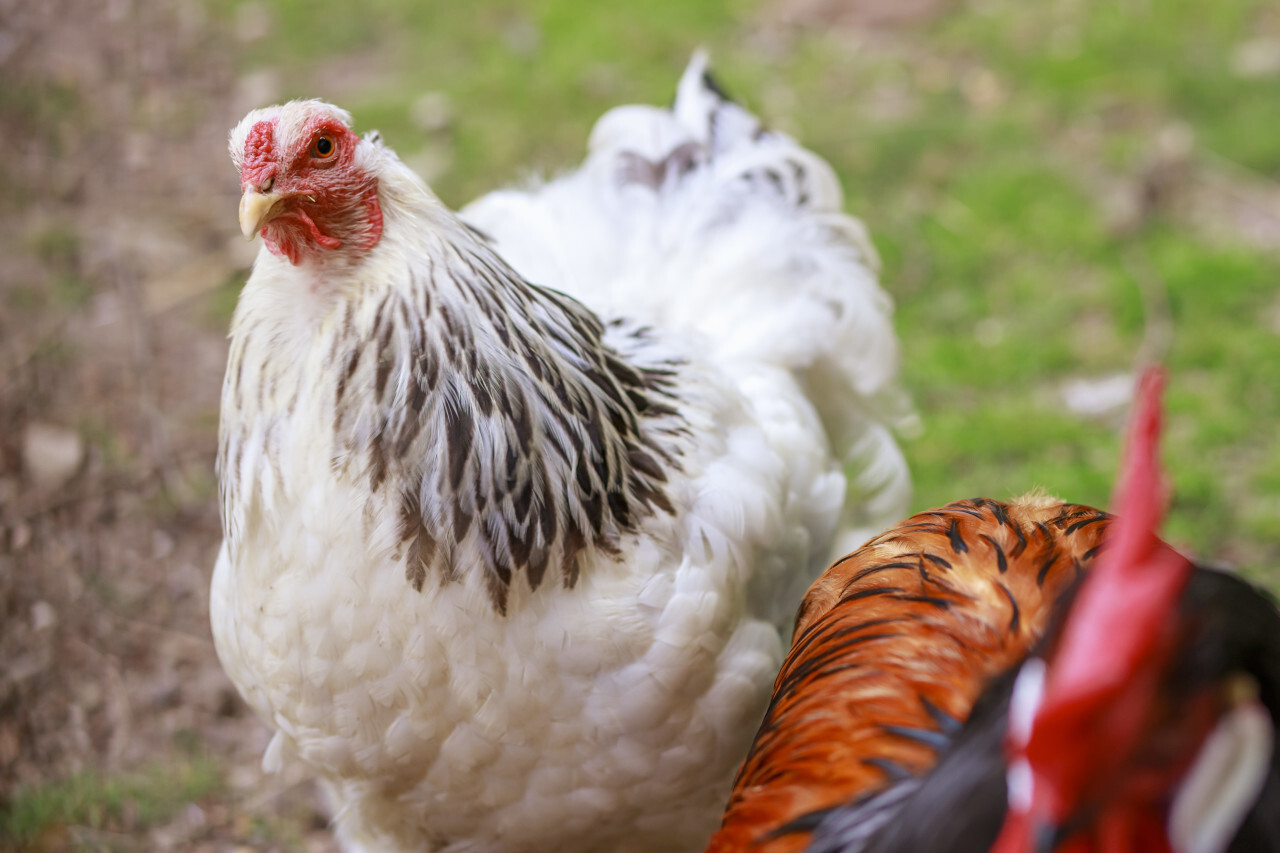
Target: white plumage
(513,574)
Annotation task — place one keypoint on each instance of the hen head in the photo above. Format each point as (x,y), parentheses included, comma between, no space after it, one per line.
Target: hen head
(307,181)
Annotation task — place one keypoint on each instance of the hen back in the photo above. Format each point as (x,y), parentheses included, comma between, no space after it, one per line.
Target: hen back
(892,646)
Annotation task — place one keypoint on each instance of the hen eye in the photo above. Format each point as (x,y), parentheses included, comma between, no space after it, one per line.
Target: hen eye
(323,147)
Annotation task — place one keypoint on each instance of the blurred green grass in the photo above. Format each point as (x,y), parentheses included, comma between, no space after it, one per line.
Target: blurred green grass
(1007,159)
(129,803)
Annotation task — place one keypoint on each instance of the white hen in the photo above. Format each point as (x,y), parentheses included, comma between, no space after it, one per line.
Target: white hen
(511,573)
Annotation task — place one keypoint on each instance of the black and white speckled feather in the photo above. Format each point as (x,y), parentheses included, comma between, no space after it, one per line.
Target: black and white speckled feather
(496,410)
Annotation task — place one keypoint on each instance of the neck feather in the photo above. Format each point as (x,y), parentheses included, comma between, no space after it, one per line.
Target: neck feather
(491,414)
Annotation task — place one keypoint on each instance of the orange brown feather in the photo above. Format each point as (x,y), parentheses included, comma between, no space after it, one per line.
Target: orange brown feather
(892,644)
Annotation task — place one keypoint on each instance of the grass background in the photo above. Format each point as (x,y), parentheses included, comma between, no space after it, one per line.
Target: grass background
(1059,190)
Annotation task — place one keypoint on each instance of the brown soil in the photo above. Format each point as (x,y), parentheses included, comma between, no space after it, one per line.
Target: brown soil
(119,253)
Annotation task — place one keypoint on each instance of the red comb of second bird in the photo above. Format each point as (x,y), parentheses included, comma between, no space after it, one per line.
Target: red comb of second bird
(1101,677)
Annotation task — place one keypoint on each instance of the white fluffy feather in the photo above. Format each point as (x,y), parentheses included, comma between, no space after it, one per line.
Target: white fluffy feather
(714,256)
(610,713)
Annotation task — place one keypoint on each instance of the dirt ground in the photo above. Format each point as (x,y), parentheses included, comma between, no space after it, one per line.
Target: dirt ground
(117,218)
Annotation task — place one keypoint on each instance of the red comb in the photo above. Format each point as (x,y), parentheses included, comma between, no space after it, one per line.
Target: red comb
(1102,674)
(259,153)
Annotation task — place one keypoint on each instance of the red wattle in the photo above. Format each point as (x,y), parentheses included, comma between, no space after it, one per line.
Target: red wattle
(323,239)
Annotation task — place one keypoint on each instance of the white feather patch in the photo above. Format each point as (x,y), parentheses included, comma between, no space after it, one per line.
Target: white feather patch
(1224,782)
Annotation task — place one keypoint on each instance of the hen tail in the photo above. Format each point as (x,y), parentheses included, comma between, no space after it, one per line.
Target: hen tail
(701,221)
(705,131)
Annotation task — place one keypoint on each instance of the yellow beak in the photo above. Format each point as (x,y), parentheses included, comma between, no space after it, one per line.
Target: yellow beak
(256,210)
